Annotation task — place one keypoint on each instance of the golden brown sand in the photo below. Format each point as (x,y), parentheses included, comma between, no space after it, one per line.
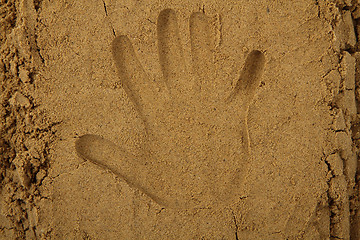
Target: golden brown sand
(179,119)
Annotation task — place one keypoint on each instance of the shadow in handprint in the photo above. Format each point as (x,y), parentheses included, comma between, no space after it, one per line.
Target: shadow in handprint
(197,143)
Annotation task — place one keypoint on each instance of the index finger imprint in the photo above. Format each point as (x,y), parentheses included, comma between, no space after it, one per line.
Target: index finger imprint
(136,83)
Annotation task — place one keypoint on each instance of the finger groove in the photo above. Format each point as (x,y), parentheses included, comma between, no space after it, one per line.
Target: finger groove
(250,77)
(104,153)
(108,155)
(135,82)
(170,50)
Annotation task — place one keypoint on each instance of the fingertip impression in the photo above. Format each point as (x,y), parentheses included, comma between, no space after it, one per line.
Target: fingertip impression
(198,17)
(253,69)
(166,16)
(122,49)
(87,144)
(256,57)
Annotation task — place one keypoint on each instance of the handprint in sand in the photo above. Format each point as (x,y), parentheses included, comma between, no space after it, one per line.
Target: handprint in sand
(197,146)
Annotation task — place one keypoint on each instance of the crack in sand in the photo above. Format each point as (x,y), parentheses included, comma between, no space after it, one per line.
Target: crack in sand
(107,15)
(236,227)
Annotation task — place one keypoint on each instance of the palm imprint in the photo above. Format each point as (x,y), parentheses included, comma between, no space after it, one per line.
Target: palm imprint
(197,145)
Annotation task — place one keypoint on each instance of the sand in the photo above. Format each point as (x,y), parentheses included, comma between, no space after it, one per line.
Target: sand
(179,119)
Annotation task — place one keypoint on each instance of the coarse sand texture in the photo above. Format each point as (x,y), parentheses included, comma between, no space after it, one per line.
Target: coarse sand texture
(179,119)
